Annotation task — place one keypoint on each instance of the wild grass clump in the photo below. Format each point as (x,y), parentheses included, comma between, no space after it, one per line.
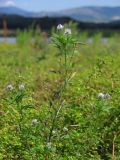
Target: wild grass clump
(62,106)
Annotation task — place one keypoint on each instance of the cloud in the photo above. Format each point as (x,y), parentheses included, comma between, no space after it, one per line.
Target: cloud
(10,3)
(7,2)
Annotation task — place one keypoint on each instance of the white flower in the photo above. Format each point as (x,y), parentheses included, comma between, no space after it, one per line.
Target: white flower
(10,87)
(21,87)
(104,96)
(68,31)
(101,95)
(65,129)
(49,145)
(53,132)
(60,26)
(34,121)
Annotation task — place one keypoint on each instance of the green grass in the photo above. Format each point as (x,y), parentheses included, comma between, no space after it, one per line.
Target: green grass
(88,127)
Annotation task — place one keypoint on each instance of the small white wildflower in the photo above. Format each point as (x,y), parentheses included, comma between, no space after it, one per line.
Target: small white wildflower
(49,145)
(104,96)
(10,87)
(60,26)
(21,87)
(101,95)
(68,31)
(34,121)
(65,129)
(53,132)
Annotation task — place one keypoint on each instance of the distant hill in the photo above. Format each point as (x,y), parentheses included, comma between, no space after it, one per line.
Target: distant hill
(94,14)
(20,12)
(86,14)
(14,11)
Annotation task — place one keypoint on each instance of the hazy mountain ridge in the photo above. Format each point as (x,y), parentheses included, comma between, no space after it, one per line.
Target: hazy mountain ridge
(90,14)
(96,14)
(14,11)
(24,13)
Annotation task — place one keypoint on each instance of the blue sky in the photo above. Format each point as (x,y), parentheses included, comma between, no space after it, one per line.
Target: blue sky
(54,5)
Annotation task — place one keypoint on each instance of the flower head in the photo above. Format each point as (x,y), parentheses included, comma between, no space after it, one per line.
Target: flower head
(49,145)
(68,31)
(53,132)
(60,26)
(65,129)
(101,95)
(21,87)
(104,96)
(34,121)
(10,87)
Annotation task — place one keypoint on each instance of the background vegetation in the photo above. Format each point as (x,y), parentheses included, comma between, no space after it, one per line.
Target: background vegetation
(88,123)
(46,23)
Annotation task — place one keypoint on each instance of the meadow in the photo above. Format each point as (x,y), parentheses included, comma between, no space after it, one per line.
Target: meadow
(60,97)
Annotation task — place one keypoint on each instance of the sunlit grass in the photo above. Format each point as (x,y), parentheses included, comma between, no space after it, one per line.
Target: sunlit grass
(87,125)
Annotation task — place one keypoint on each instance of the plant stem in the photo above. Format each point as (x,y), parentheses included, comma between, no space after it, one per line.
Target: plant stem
(113,149)
(54,121)
(65,56)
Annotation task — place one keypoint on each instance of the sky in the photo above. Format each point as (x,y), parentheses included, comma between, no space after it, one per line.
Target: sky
(55,5)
